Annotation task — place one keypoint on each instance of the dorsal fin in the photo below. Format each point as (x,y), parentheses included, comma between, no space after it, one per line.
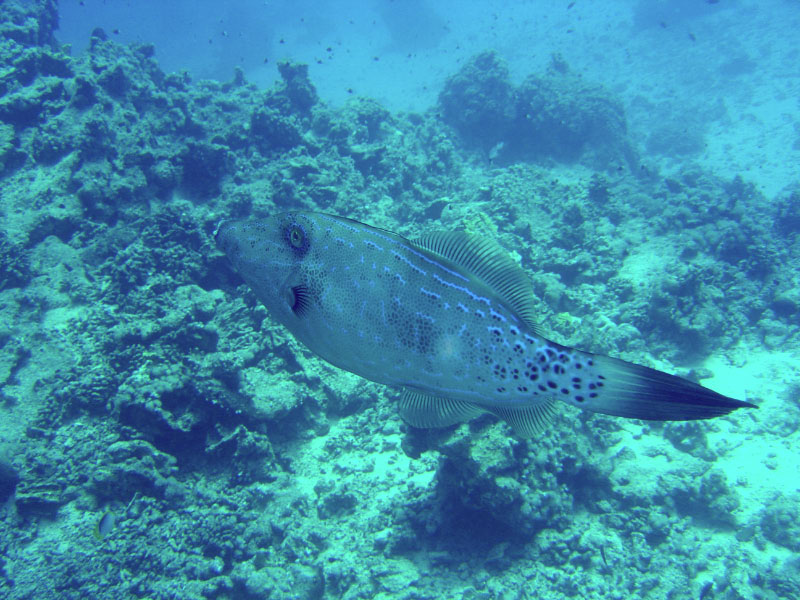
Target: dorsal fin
(489,263)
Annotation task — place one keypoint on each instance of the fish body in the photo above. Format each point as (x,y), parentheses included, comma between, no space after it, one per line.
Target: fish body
(449,319)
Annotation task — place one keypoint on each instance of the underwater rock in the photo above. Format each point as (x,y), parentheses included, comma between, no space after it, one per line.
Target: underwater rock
(483,492)
(298,581)
(688,437)
(203,166)
(556,116)
(478,101)
(14,264)
(9,478)
(29,22)
(10,156)
(136,467)
(336,503)
(788,213)
(786,303)
(26,106)
(298,86)
(114,81)
(38,498)
(708,500)
(561,117)
(779,522)
(270,130)
(366,120)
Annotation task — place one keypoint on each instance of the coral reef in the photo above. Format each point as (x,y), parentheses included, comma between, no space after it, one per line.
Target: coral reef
(140,377)
(555,116)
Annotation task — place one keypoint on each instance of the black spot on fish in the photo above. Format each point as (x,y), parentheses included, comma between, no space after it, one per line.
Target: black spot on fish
(552,385)
(578,398)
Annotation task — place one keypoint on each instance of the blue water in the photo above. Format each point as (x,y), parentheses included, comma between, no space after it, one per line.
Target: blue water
(162,436)
(726,68)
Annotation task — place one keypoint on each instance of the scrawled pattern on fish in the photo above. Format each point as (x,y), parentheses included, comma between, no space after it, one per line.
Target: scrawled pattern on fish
(448,316)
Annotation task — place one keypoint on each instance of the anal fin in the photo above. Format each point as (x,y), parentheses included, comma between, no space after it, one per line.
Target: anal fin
(424,410)
(526,421)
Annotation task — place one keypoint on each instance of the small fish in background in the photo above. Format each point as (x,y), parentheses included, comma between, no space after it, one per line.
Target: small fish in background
(110,518)
(495,151)
(449,319)
(105,525)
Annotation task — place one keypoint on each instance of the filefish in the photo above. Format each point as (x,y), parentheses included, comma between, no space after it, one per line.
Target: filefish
(449,319)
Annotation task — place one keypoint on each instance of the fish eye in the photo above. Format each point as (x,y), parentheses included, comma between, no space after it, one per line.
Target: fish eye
(296,236)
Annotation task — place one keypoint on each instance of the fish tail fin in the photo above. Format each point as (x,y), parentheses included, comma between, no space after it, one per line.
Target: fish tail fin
(637,392)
